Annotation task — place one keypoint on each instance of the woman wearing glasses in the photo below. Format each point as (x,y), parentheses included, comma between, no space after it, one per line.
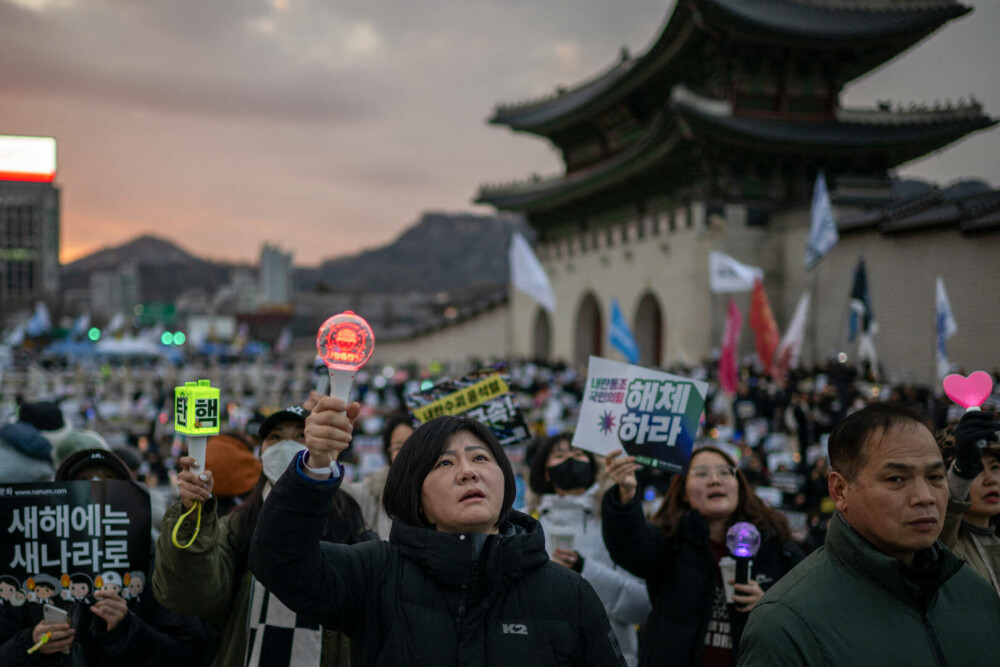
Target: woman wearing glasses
(678,553)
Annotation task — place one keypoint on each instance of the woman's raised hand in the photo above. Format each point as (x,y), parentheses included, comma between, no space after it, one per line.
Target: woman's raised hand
(621,469)
(328,430)
(193,487)
(746,596)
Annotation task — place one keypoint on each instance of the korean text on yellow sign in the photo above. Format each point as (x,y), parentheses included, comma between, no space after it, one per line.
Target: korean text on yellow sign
(463,400)
(196,409)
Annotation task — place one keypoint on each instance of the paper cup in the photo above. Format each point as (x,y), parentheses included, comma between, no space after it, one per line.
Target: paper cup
(728,567)
(562,541)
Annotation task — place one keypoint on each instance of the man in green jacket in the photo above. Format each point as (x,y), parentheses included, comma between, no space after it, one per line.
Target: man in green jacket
(882,591)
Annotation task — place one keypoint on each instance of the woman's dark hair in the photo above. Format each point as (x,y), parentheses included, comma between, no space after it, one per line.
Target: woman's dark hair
(749,506)
(401,496)
(394,420)
(536,476)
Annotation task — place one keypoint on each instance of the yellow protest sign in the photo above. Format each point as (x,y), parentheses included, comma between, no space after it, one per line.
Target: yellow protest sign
(464,399)
(196,409)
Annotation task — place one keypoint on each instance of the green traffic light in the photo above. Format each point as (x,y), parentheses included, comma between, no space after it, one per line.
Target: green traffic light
(94,334)
(179,338)
(167,338)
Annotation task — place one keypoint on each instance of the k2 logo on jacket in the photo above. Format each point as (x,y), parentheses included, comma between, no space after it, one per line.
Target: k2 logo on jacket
(514,629)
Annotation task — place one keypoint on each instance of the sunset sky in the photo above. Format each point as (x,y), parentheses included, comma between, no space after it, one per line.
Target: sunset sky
(329,126)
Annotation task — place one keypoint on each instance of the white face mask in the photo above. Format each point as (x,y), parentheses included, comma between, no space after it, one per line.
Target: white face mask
(277,457)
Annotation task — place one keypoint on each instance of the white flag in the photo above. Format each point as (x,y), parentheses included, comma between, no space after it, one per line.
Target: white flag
(823,228)
(787,355)
(116,324)
(946,327)
(726,275)
(527,274)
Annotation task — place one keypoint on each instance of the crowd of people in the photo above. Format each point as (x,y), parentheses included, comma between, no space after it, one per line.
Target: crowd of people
(327,533)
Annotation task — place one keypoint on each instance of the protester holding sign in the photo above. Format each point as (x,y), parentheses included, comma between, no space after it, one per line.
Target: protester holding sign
(102,627)
(210,579)
(678,555)
(570,515)
(463,579)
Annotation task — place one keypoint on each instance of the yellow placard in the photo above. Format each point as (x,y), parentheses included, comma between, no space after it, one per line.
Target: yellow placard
(464,399)
(196,409)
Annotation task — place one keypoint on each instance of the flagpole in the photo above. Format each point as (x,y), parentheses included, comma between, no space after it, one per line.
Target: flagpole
(509,333)
(814,297)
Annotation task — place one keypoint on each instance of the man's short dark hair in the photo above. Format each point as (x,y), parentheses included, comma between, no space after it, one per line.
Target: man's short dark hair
(536,476)
(419,455)
(851,438)
(394,420)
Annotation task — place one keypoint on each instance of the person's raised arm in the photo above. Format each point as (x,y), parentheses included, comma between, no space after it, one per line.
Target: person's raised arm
(197,580)
(332,583)
(632,542)
(328,433)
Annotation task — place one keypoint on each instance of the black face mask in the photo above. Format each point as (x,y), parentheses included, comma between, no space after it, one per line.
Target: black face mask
(571,474)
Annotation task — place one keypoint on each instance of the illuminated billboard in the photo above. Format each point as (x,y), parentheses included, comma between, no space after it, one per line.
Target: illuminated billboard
(30,159)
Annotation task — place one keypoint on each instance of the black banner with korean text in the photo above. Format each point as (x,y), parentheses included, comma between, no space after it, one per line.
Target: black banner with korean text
(68,539)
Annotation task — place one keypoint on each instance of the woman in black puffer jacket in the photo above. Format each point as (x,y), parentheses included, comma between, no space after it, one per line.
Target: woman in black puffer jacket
(678,553)
(463,579)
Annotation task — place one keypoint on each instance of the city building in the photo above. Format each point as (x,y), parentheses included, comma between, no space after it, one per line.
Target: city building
(275,274)
(29,222)
(114,292)
(712,139)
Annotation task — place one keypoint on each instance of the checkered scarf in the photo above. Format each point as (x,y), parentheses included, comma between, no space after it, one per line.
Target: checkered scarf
(277,635)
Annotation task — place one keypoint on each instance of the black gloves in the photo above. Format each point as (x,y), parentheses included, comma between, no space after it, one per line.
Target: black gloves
(974,431)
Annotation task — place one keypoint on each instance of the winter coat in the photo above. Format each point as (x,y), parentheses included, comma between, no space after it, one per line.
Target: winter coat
(426,597)
(623,595)
(210,580)
(24,455)
(979,547)
(850,604)
(148,636)
(680,578)
(368,493)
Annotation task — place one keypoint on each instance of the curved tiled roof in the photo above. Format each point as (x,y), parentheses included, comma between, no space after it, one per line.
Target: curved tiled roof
(882,131)
(899,136)
(969,209)
(802,22)
(809,24)
(658,142)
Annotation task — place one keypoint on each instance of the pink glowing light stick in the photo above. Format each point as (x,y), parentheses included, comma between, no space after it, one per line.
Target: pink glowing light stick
(969,392)
(345,343)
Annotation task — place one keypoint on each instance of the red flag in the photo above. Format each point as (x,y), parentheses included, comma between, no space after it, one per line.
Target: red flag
(765,330)
(728,368)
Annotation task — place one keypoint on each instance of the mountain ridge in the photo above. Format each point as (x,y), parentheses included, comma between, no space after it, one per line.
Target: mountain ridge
(441,251)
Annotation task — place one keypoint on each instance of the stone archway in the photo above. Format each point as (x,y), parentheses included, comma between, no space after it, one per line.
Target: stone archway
(541,337)
(649,330)
(589,330)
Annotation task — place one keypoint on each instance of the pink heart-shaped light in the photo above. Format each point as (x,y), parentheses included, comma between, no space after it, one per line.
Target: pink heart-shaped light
(969,391)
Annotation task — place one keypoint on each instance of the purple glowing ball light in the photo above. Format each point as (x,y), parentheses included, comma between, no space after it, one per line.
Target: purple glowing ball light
(743,540)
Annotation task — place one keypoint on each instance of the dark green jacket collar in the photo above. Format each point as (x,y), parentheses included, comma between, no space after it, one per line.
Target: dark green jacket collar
(859,557)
